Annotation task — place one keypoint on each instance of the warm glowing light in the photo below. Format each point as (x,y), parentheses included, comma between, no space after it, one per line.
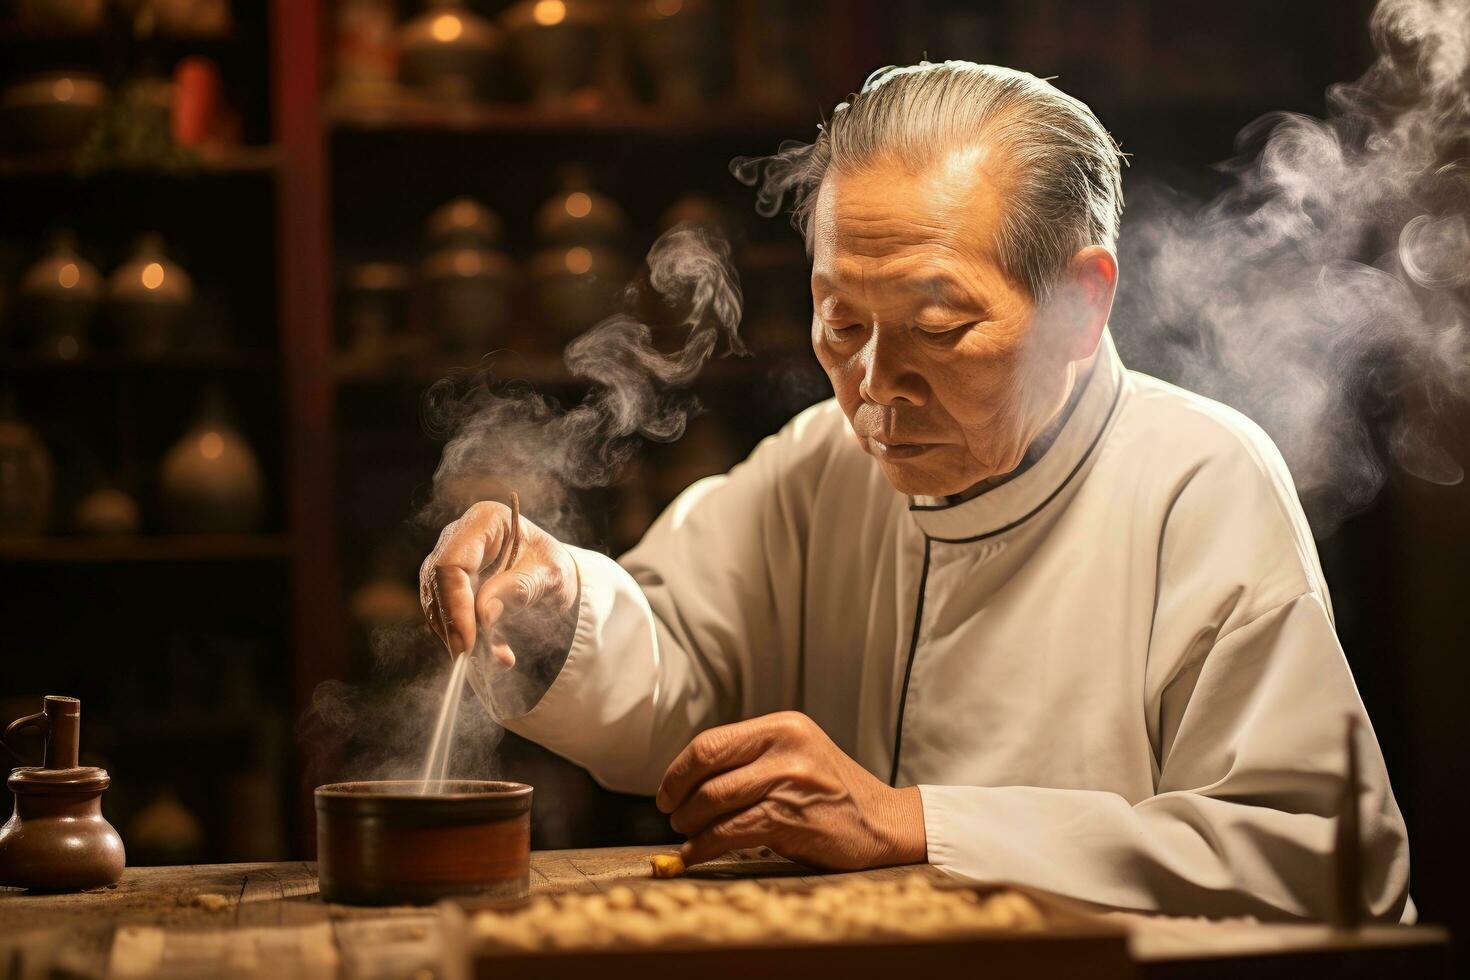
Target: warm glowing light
(68,275)
(468,263)
(667,8)
(579,260)
(64,89)
(152,275)
(68,348)
(446,28)
(211,445)
(579,205)
(549,13)
(464,212)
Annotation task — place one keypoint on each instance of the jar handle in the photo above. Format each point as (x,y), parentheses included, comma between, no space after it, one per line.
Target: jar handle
(37,721)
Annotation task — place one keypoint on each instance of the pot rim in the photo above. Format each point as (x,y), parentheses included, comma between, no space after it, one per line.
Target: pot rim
(371,789)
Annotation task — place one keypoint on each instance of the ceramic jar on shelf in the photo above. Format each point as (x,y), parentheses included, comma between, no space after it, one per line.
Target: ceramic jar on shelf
(58,298)
(147,296)
(61,17)
(210,481)
(385,600)
(567,51)
(374,315)
(580,269)
(681,49)
(26,475)
(190,18)
(776,281)
(366,55)
(466,278)
(449,52)
(107,511)
(772,59)
(54,110)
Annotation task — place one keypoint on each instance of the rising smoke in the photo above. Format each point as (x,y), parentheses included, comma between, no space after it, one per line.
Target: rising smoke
(496,435)
(1324,293)
(500,438)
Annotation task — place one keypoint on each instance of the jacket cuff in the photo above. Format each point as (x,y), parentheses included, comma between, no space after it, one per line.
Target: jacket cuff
(534,704)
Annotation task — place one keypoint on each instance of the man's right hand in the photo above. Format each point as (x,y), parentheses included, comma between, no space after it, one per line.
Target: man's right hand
(532,604)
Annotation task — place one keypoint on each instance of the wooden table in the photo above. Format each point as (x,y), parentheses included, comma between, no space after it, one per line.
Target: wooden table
(250,920)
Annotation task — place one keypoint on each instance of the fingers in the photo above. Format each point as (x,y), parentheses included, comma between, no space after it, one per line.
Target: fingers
(750,827)
(448,576)
(513,590)
(712,752)
(725,794)
(502,653)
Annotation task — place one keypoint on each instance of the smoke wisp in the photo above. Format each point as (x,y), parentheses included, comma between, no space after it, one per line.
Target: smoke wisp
(1322,293)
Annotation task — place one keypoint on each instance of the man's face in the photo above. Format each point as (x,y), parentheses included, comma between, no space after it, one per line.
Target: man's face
(933,350)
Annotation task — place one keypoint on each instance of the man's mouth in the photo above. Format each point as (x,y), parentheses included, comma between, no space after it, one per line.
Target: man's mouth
(899,450)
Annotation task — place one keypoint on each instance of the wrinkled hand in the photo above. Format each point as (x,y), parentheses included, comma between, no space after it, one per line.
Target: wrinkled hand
(531,604)
(779,781)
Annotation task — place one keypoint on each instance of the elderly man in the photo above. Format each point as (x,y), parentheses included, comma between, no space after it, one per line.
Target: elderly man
(1002,605)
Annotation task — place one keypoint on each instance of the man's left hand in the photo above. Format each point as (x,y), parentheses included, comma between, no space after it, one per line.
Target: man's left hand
(779,781)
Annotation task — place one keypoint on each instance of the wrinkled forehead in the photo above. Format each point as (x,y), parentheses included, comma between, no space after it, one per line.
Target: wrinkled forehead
(945,210)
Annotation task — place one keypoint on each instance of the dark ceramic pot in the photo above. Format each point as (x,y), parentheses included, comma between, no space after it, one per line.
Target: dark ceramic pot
(382,843)
(148,296)
(450,53)
(51,111)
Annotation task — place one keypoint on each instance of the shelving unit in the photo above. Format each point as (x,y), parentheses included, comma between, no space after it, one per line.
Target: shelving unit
(156,628)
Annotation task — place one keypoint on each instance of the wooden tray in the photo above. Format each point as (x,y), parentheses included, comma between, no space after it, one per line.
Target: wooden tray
(1072,944)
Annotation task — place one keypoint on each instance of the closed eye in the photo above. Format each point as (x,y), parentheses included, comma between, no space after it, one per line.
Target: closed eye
(948,335)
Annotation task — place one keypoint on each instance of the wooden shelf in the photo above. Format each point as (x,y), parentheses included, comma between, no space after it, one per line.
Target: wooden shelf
(110,363)
(243,161)
(144,548)
(542,369)
(409,114)
(12,33)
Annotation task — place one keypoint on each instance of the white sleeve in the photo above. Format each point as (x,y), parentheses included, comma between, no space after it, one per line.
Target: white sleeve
(697,626)
(1243,818)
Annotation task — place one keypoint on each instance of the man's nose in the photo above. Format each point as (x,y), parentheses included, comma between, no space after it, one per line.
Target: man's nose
(888,378)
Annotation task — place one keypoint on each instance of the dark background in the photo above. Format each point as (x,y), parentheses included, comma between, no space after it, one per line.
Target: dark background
(196,654)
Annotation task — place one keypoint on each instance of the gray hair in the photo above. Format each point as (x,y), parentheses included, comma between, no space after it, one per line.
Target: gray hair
(1065,186)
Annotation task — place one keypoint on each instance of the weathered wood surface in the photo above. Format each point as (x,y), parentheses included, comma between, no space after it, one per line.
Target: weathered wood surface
(267,920)
(258,920)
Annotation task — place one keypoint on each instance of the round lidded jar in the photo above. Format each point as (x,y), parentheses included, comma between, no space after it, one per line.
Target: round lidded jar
(383,842)
(149,295)
(466,279)
(580,269)
(448,52)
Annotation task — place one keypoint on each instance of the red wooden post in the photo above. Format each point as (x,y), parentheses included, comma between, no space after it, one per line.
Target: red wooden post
(298,53)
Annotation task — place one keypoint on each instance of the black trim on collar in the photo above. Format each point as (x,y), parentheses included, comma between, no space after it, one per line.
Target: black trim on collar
(1107,420)
(1073,401)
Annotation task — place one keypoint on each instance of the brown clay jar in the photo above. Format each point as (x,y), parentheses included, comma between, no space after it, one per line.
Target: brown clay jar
(57,838)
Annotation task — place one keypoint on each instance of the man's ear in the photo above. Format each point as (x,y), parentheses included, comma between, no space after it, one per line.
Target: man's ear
(1084,300)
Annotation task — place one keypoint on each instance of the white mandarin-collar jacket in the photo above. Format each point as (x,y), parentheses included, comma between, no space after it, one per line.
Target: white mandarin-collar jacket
(1114,677)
